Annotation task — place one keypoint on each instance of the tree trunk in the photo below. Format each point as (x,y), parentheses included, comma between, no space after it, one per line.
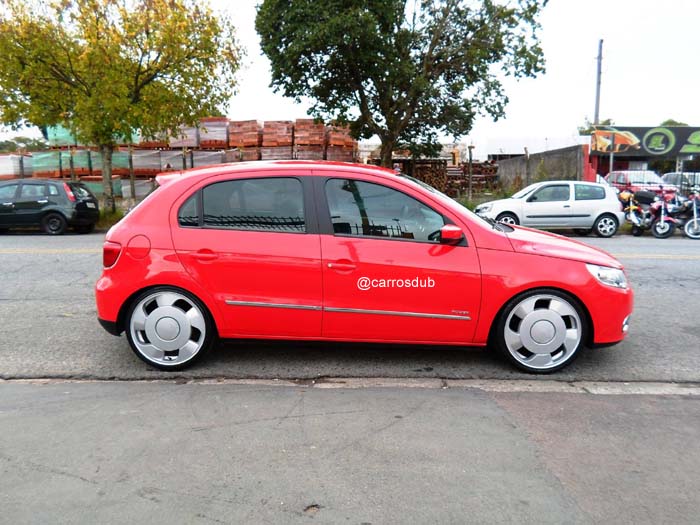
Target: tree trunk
(108,189)
(387,151)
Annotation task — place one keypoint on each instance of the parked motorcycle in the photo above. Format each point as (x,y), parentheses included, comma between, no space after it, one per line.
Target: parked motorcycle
(647,211)
(692,225)
(664,222)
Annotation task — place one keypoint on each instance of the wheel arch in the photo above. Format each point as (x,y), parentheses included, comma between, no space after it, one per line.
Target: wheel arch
(126,305)
(588,335)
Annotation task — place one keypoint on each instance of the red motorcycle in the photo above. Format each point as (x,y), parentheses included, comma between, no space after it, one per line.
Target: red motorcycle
(663,222)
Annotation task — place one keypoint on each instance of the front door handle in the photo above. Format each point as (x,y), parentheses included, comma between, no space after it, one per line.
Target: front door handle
(567,206)
(43,201)
(342,266)
(7,204)
(204,255)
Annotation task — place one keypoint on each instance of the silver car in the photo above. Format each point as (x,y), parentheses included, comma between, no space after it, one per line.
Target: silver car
(582,206)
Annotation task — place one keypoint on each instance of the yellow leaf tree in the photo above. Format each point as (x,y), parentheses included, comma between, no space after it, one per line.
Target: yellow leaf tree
(105,68)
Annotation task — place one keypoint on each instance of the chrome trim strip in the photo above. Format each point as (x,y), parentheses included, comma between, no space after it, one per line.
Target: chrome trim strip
(274,305)
(403,314)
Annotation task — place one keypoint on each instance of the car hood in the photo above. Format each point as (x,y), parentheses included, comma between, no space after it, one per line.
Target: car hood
(535,242)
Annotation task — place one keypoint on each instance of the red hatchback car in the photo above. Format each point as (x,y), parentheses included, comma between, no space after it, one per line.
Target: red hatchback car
(344,252)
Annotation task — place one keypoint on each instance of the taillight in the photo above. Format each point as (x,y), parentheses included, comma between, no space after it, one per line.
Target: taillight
(69,192)
(110,253)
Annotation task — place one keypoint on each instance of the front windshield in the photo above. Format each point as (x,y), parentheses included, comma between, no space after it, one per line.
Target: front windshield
(645,177)
(524,192)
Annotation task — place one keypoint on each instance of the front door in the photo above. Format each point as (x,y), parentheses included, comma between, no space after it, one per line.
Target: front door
(386,277)
(251,244)
(30,202)
(549,205)
(7,204)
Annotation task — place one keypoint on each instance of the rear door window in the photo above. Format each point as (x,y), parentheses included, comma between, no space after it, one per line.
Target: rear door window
(264,204)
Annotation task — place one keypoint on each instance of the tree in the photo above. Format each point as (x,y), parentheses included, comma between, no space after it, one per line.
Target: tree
(671,122)
(403,70)
(23,144)
(105,68)
(587,128)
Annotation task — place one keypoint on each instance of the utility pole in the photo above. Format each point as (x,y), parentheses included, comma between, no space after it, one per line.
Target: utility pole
(596,116)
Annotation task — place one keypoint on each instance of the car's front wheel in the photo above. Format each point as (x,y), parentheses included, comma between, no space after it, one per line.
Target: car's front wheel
(169,328)
(541,331)
(605,226)
(508,218)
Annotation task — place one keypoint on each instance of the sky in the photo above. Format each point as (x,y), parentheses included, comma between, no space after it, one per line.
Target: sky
(649,73)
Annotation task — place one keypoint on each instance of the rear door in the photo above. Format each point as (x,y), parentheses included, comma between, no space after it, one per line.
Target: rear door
(30,202)
(385,276)
(7,203)
(253,244)
(549,205)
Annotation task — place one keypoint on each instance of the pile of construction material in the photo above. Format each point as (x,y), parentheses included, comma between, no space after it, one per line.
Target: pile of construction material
(245,139)
(341,146)
(277,140)
(309,139)
(213,133)
(15,166)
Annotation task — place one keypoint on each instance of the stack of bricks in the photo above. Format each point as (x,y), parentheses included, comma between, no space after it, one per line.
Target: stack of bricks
(213,133)
(278,138)
(185,137)
(309,139)
(244,139)
(341,146)
(156,142)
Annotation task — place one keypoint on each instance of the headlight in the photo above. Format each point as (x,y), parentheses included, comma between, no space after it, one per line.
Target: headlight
(483,208)
(610,276)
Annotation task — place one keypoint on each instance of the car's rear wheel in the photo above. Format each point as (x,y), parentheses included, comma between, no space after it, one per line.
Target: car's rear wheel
(605,226)
(54,223)
(169,328)
(508,218)
(541,331)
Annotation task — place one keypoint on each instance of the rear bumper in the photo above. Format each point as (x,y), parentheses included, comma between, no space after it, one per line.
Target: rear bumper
(110,326)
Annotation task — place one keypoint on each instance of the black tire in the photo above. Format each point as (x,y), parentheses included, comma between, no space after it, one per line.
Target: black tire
(662,229)
(583,232)
(54,223)
(85,228)
(692,229)
(179,300)
(572,316)
(508,218)
(637,231)
(606,225)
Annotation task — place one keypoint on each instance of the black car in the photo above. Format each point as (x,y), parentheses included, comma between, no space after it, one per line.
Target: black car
(52,205)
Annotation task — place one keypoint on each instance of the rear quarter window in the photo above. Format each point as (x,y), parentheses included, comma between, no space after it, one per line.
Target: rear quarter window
(585,192)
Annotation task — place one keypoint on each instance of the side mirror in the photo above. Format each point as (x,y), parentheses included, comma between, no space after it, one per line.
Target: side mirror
(450,234)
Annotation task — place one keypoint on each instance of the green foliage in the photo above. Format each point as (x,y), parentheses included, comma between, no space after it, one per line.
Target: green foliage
(587,128)
(107,67)
(405,71)
(23,144)
(671,122)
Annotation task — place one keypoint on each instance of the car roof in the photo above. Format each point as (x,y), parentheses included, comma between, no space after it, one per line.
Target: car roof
(287,165)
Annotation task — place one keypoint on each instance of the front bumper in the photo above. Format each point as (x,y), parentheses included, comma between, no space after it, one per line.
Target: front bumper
(110,326)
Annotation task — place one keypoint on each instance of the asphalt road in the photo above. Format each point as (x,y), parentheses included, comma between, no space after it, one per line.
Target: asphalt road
(48,326)
(137,452)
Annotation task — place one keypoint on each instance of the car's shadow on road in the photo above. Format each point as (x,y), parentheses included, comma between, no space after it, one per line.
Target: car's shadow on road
(310,360)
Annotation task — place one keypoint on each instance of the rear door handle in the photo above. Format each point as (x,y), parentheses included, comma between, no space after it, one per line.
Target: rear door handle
(567,206)
(342,266)
(205,255)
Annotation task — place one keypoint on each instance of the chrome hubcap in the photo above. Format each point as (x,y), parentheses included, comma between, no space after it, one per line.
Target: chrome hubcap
(507,220)
(606,226)
(662,227)
(167,328)
(543,331)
